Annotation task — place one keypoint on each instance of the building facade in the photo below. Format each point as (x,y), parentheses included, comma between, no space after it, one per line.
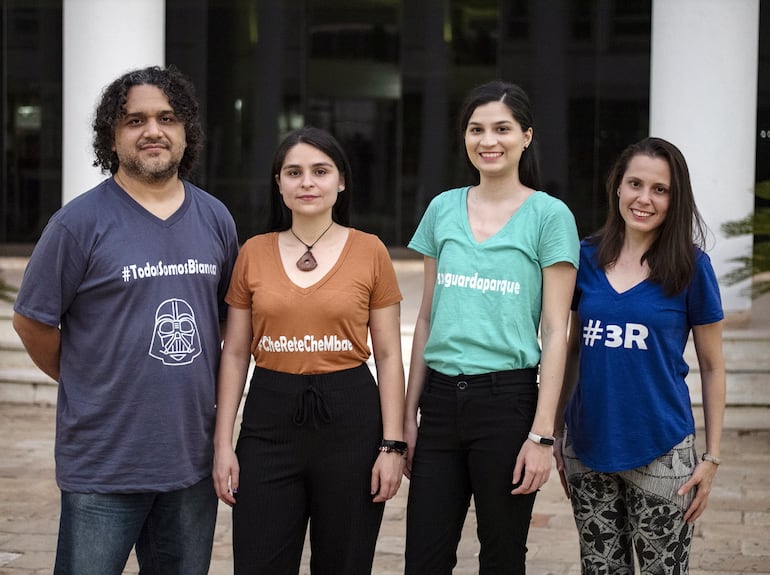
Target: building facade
(387,77)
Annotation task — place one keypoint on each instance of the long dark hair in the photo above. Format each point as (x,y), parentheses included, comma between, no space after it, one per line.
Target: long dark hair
(112,107)
(671,257)
(280,215)
(518,103)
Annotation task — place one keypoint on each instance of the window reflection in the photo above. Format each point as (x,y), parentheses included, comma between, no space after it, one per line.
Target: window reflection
(385,76)
(30,91)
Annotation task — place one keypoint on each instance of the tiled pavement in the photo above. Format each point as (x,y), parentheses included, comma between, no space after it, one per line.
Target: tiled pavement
(732,537)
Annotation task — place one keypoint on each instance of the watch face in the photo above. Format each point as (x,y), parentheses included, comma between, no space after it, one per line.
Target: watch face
(546,441)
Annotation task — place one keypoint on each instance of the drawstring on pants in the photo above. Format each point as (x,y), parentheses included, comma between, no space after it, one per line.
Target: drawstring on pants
(311,404)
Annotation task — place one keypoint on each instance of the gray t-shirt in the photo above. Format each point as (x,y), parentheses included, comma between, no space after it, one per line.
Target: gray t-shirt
(139,301)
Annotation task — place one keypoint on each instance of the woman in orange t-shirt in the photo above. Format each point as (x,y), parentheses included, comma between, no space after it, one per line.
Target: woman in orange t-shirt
(320,440)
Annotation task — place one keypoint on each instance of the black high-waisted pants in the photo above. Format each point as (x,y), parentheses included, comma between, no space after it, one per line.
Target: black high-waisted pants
(306,450)
(471,430)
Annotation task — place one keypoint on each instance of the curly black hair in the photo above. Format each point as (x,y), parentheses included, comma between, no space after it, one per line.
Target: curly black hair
(181,95)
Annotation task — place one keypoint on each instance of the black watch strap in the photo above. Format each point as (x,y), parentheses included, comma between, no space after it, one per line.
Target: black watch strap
(540,439)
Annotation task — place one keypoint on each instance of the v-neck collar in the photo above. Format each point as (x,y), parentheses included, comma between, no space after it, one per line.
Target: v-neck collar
(325,278)
(144,212)
(467,221)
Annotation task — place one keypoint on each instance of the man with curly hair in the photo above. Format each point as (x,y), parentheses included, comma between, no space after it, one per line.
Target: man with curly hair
(121,303)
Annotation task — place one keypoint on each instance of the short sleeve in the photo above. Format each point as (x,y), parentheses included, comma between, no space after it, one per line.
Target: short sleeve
(424,238)
(230,247)
(239,294)
(704,302)
(559,240)
(52,277)
(385,291)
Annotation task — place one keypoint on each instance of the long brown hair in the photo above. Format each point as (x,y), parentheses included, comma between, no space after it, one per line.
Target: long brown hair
(671,257)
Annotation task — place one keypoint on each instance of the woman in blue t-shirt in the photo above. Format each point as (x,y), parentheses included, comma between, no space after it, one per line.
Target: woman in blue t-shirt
(498,257)
(628,460)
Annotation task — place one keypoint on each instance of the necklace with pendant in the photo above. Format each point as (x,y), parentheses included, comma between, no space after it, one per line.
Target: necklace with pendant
(307,262)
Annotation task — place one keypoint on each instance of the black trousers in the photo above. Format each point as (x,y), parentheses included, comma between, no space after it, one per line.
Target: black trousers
(306,450)
(471,430)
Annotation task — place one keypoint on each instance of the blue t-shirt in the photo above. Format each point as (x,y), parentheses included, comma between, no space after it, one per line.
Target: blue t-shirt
(139,301)
(486,303)
(631,403)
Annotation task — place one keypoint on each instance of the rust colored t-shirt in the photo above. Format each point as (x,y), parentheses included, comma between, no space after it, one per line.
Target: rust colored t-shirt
(321,328)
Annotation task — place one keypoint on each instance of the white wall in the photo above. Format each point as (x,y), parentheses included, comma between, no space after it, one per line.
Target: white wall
(102,40)
(704,100)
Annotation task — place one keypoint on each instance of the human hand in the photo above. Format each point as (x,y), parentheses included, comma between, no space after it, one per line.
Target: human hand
(702,479)
(410,437)
(558,455)
(386,476)
(533,467)
(226,475)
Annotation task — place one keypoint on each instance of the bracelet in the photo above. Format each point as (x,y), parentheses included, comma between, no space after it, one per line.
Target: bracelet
(390,446)
(710,458)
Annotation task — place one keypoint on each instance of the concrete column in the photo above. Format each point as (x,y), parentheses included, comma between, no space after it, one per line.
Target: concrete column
(102,40)
(704,99)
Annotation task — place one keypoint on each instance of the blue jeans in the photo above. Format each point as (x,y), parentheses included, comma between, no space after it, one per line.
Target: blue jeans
(173,531)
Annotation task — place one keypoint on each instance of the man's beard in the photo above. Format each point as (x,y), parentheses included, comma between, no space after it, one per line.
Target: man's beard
(150,174)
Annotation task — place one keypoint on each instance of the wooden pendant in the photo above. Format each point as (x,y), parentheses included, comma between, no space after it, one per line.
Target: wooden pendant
(307,262)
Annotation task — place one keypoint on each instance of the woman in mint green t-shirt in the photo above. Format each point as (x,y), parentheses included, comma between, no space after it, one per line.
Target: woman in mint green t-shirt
(500,265)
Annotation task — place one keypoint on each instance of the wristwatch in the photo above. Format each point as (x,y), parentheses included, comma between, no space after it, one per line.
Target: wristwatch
(540,439)
(711,458)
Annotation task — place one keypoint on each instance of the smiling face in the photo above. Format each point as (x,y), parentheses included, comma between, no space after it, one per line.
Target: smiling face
(644,194)
(149,139)
(309,181)
(494,140)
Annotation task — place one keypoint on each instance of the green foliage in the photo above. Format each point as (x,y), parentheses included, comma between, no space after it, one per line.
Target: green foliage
(750,267)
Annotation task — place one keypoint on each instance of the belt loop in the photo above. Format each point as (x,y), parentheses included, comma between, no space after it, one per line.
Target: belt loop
(428,379)
(493,377)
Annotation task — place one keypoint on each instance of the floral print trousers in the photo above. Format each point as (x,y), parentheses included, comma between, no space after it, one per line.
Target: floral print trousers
(639,509)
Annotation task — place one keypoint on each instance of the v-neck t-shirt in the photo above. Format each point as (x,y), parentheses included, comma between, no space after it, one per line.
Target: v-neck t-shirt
(139,300)
(488,295)
(321,328)
(631,403)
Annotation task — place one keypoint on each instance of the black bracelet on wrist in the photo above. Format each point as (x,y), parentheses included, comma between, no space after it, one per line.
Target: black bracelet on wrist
(390,446)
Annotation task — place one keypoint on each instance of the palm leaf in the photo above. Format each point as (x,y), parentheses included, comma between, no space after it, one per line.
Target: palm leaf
(754,266)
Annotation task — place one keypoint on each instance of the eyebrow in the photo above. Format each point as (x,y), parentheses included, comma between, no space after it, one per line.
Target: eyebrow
(498,123)
(144,114)
(316,165)
(641,179)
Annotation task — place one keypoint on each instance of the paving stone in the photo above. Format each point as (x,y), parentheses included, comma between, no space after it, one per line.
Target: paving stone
(731,538)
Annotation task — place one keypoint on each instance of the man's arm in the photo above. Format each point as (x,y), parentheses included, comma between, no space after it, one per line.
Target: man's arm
(42,342)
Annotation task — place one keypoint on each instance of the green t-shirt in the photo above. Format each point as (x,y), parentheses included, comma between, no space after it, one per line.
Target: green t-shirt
(486,303)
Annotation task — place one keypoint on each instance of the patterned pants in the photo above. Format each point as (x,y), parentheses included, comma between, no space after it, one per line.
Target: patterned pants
(639,509)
